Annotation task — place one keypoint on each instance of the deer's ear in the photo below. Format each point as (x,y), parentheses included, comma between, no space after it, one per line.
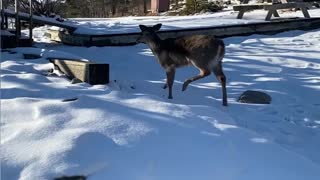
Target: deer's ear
(157,27)
(143,27)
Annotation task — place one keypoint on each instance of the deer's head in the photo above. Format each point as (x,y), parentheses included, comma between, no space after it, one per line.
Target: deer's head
(148,33)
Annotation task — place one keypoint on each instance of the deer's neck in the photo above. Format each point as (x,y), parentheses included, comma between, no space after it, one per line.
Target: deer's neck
(155,44)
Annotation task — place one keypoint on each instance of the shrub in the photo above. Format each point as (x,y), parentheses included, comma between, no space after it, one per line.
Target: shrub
(196,6)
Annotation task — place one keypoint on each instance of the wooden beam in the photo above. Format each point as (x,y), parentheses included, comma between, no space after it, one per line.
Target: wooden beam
(286,6)
(30,22)
(2,14)
(249,7)
(4,4)
(89,72)
(17,22)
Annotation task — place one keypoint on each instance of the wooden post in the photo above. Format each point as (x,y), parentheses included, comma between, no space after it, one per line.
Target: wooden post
(270,12)
(305,11)
(5,20)
(30,22)
(240,15)
(17,23)
(2,15)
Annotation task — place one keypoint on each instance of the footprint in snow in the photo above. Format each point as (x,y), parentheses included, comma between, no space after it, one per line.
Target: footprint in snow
(70,99)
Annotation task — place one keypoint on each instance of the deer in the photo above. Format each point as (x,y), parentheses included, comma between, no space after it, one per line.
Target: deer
(201,51)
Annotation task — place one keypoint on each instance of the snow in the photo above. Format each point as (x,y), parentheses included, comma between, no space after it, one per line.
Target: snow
(128,129)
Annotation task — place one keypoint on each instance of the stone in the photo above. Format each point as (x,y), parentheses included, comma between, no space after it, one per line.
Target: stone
(254,97)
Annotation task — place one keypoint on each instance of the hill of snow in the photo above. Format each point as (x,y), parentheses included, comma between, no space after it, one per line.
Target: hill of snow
(128,129)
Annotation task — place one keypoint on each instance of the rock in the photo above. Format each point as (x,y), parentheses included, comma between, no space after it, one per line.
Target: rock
(254,97)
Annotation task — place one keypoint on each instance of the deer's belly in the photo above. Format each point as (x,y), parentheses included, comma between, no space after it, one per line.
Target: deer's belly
(182,62)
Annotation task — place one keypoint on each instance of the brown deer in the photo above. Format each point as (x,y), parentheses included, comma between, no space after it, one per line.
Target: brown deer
(203,52)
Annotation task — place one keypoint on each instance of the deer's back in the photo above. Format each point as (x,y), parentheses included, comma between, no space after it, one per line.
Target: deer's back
(200,49)
(196,44)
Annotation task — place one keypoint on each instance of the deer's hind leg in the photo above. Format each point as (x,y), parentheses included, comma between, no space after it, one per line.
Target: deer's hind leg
(203,73)
(222,79)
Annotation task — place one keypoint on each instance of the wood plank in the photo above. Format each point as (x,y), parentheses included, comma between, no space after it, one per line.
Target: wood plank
(17,21)
(285,6)
(30,22)
(2,14)
(249,7)
(89,72)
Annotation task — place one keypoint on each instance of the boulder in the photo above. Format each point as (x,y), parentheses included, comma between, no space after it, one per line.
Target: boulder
(254,97)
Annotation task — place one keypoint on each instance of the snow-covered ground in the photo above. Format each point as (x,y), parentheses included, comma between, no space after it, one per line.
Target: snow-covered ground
(128,129)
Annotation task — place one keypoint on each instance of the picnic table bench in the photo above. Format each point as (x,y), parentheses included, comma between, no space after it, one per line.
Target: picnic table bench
(272,8)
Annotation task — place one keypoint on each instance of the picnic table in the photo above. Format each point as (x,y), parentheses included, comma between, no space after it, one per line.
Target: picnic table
(272,7)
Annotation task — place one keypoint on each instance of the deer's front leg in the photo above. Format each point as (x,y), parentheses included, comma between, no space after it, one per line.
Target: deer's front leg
(170,78)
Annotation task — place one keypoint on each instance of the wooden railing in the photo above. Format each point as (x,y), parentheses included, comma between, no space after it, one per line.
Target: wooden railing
(4,19)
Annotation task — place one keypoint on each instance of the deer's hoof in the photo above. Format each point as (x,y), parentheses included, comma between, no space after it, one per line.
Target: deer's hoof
(225,104)
(170,97)
(185,85)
